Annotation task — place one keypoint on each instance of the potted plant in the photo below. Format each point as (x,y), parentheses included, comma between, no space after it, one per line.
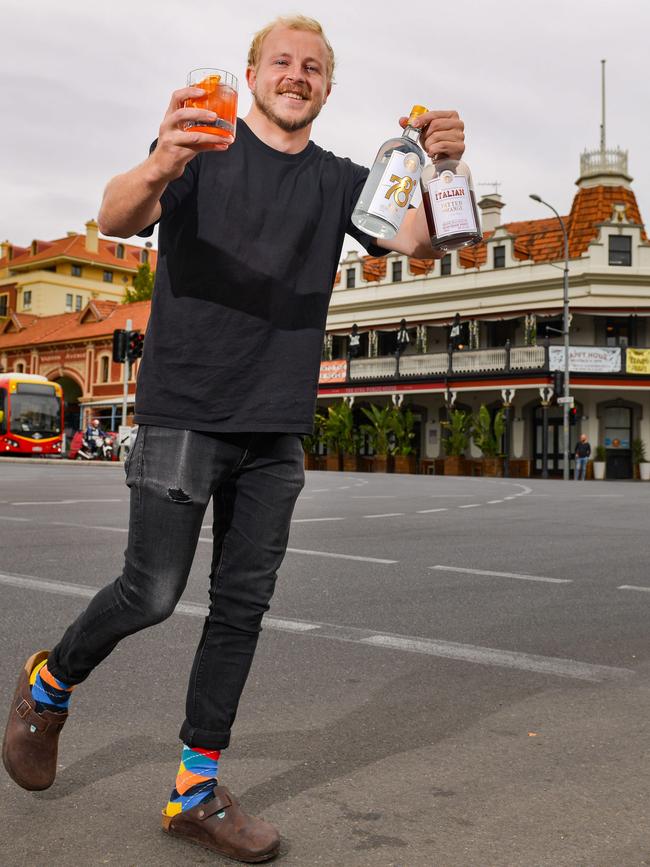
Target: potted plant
(600,463)
(456,441)
(640,461)
(332,437)
(379,433)
(404,453)
(486,435)
(311,443)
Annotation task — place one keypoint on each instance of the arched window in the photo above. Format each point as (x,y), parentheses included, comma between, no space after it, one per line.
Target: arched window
(144,257)
(19,367)
(119,251)
(104,368)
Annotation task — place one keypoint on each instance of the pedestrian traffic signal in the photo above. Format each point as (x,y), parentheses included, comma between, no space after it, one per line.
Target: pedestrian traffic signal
(558,383)
(119,345)
(573,415)
(134,345)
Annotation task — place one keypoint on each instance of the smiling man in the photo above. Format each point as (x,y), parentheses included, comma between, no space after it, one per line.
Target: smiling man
(251,232)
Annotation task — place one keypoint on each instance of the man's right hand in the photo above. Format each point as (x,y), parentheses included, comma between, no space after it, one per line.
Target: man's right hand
(177,146)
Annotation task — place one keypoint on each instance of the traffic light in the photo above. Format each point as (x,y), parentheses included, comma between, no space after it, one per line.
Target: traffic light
(573,415)
(134,345)
(558,383)
(119,345)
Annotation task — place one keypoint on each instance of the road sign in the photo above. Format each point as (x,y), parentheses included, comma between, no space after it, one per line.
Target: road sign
(568,400)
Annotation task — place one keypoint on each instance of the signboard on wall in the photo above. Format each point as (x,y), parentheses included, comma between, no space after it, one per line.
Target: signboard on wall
(637,360)
(587,359)
(333,371)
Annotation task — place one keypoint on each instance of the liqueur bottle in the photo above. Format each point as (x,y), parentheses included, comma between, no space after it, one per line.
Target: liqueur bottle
(391,183)
(450,204)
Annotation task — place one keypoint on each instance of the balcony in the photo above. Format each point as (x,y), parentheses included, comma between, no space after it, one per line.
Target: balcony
(505,359)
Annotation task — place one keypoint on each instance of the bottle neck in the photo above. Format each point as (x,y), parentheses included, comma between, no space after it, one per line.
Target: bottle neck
(411,133)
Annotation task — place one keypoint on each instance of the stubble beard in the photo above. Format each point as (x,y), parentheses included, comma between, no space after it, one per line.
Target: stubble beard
(287,125)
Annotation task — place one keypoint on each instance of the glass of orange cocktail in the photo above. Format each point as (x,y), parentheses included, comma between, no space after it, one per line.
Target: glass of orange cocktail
(220,96)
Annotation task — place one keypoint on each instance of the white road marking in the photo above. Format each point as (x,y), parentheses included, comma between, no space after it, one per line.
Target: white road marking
(311,520)
(469,653)
(634,587)
(469,506)
(520,576)
(429,511)
(339,556)
(61,502)
(370,497)
(492,502)
(502,658)
(386,515)
(8,518)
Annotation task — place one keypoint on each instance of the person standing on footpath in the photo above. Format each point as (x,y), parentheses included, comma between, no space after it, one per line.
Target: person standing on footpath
(582,454)
(251,232)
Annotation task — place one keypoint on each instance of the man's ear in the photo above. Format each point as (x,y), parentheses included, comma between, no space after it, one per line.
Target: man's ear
(251,78)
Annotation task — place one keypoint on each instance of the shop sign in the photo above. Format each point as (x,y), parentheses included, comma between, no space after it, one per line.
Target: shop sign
(587,359)
(333,371)
(637,360)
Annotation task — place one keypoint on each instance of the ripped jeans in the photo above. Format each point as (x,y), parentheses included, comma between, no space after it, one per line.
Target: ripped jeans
(253,481)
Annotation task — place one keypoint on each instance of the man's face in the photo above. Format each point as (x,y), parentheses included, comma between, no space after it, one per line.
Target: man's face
(290,84)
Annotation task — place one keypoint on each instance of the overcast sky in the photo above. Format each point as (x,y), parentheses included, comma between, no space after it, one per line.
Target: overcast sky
(85,86)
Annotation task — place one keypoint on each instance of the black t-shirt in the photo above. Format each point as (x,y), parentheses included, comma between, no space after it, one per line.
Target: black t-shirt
(249,245)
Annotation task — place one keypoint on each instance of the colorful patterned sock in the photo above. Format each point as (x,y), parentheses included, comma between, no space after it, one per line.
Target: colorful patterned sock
(196,779)
(48,692)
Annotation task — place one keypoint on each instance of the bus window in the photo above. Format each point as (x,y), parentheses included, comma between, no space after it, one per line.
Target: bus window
(3,410)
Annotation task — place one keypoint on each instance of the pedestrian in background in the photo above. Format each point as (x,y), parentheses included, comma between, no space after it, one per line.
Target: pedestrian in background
(582,454)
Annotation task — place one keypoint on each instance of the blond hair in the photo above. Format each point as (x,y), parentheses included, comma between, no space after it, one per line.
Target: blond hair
(292,22)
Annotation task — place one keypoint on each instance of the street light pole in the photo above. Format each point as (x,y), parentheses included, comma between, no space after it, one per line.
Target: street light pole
(565,331)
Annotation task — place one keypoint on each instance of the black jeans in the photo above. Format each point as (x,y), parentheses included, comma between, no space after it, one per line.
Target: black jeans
(254,481)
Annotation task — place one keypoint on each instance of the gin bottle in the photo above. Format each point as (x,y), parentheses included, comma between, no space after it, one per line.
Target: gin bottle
(391,183)
(450,204)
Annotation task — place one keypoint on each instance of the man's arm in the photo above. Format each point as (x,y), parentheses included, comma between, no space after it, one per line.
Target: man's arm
(442,133)
(131,201)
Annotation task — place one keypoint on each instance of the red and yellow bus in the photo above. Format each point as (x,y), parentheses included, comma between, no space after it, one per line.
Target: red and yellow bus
(31,415)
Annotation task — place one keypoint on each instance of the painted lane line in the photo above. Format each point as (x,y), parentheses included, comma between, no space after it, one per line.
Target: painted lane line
(430,511)
(508,498)
(8,518)
(637,587)
(470,506)
(61,502)
(372,497)
(518,575)
(559,667)
(311,520)
(339,556)
(492,502)
(502,658)
(386,515)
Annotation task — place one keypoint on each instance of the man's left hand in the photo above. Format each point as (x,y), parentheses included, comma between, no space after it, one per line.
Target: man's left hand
(441,133)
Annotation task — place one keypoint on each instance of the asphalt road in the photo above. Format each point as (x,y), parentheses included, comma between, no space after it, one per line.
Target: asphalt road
(455,672)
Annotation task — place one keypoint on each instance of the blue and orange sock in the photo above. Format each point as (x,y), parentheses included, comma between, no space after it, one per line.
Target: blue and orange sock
(195,781)
(48,692)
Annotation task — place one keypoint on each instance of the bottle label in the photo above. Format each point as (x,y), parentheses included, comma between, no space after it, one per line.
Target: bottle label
(396,187)
(451,203)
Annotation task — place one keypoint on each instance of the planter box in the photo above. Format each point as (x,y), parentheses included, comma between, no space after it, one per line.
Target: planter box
(454,466)
(333,462)
(644,471)
(381,464)
(492,466)
(404,463)
(351,464)
(311,461)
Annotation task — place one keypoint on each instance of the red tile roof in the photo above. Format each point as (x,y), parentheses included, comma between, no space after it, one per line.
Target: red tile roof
(74,247)
(69,327)
(539,240)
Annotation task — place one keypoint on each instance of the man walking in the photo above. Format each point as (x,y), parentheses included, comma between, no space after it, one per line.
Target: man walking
(251,232)
(582,453)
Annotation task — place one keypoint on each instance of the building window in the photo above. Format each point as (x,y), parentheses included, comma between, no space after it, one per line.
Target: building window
(350,278)
(68,301)
(144,257)
(500,256)
(76,271)
(78,301)
(104,368)
(617,331)
(27,299)
(4,303)
(108,277)
(620,250)
(445,265)
(397,272)
(20,367)
(119,251)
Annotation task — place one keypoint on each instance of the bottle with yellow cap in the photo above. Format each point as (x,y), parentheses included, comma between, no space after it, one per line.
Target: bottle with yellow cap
(392,181)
